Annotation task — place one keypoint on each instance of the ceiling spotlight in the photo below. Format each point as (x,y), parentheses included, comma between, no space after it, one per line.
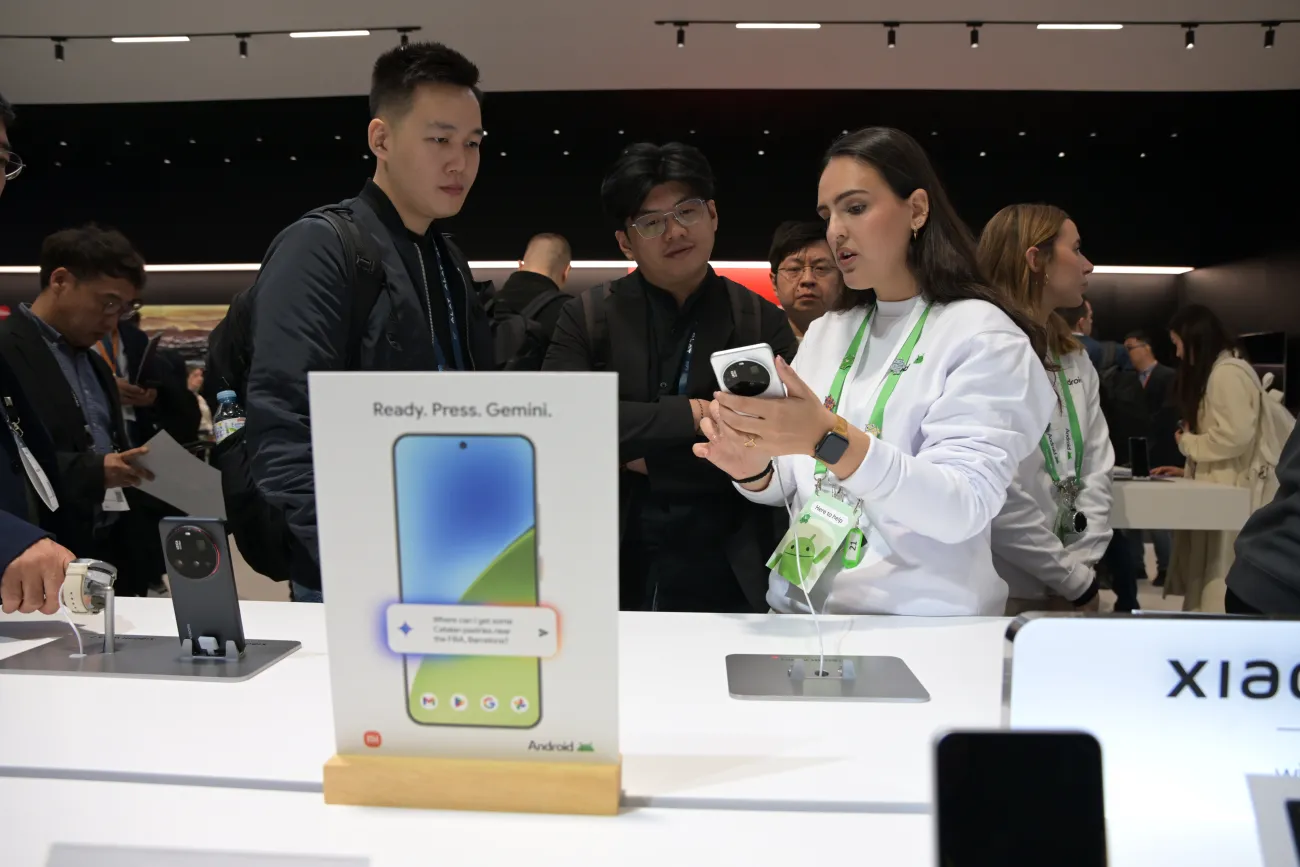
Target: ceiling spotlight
(1061,154)
(63,144)
(167,162)
(406,39)
(243,45)
(566,153)
(1092,135)
(891,39)
(1022,132)
(503,153)
(365,156)
(1269,34)
(681,35)
(983,154)
(1143,155)
(193,142)
(259,139)
(293,159)
(338,138)
(1173,135)
(974,35)
(1190,40)
(760,153)
(227,159)
(58,50)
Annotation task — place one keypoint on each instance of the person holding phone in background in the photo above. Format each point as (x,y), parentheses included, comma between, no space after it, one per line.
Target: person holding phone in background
(1218,396)
(909,407)
(1055,525)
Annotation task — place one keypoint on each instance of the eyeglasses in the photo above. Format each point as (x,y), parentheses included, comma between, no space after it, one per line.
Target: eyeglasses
(123,309)
(688,213)
(1132,346)
(793,273)
(11,165)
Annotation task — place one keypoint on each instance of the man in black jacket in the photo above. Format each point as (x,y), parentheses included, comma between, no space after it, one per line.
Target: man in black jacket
(1265,577)
(534,292)
(89,278)
(32,565)
(425,133)
(689,542)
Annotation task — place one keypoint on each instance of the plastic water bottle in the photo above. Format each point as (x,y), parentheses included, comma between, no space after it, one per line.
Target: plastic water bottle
(230,415)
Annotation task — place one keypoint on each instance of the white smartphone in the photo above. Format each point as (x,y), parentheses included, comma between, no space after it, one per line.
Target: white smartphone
(749,371)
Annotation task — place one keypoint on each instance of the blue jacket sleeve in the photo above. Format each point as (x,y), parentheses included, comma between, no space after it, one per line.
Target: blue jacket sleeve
(299,325)
(16,536)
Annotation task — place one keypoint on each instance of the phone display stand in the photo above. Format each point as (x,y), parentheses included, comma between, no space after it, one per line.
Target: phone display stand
(162,657)
(473,784)
(207,649)
(765,677)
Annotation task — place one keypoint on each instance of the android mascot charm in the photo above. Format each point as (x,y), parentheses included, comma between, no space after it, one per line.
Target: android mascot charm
(798,558)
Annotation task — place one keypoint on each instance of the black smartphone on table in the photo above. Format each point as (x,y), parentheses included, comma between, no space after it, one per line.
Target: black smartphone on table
(202,582)
(1011,798)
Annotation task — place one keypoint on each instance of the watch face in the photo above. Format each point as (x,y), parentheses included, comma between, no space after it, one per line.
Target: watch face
(832,448)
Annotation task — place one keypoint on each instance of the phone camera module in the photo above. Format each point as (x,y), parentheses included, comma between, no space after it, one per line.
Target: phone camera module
(746,378)
(191,553)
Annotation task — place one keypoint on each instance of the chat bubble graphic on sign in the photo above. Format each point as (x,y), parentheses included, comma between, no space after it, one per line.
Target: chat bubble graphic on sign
(472,630)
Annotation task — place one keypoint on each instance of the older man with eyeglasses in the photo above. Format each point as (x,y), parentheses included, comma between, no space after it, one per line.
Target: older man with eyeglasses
(804,274)
(689,542)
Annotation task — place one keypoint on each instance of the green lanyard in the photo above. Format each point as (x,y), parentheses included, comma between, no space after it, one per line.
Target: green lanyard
(896,369)
(1072,450)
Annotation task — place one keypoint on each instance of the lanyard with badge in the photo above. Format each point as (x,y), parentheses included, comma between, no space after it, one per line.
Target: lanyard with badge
(458,357)
(1069,520)
(828,521)
(36,475)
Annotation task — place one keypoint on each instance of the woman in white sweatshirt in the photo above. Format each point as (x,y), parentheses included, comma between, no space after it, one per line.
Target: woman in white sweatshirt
(1056,522)
(910,406)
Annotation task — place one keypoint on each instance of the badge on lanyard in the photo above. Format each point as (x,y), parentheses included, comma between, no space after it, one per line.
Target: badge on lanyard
(817,533)
(35,474)
(115,501)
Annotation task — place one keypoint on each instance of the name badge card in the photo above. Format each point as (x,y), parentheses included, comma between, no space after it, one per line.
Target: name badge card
(440,496)
(1186,707)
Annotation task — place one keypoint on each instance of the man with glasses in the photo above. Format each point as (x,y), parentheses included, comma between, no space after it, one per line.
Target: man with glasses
(689,542)
(90,277)
(804,274)
(1157,384)
(32,565)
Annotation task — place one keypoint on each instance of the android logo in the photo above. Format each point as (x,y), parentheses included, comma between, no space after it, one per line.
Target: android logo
(798,558)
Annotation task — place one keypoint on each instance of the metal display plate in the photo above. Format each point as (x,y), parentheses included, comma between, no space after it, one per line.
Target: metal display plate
(147,656)
(765,677)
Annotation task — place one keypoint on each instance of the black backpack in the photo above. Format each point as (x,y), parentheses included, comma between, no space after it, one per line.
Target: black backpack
(1123,402)
(260,529)
(519,341)
(746,315)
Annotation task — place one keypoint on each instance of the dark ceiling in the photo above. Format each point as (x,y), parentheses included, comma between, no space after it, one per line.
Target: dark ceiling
(214,182)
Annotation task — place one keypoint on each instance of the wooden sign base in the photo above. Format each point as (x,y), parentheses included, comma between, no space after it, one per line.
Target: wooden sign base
(472,784)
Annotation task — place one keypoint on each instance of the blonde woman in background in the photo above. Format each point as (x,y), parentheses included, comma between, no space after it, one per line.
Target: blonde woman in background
(1219,396)
(1055,525)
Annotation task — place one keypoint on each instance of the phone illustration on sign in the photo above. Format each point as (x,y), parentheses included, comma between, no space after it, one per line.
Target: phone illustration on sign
(467,535)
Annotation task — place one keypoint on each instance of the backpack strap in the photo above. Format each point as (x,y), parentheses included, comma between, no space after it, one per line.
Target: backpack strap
(534,308)
(366,281)
(597,320)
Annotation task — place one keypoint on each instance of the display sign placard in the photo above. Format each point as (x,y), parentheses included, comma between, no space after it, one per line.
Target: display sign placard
(469,551)
(1185,706)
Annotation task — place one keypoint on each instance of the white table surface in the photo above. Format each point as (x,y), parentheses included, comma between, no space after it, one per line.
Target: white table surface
(1177,504)
(685,741)
(40,812)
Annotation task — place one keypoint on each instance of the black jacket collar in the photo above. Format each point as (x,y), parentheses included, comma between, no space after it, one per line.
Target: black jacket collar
(384,208)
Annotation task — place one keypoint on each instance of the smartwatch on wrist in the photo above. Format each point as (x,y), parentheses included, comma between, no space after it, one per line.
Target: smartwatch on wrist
(834,444)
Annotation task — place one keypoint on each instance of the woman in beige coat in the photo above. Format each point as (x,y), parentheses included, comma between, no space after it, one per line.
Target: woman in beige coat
(1219,397)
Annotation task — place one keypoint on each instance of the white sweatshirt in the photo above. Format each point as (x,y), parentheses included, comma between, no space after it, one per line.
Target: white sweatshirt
(1026,550)
(965,413)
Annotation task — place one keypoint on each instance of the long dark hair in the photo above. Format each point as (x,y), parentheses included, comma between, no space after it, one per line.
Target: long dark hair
(942,258)
(1204,338)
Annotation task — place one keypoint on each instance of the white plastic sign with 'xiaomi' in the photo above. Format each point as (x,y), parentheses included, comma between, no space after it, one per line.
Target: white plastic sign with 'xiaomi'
(1185,708)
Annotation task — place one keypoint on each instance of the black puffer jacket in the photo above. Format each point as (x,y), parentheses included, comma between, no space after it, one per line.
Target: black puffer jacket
(300,306)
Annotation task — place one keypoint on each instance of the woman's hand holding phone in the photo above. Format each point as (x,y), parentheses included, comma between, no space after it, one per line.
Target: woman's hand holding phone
(792,426)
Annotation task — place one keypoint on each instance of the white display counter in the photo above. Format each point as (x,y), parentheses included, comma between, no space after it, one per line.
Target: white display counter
(685,741)
(1177,504)
(39,813)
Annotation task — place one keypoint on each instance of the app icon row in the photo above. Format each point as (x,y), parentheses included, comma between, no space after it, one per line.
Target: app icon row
(518,704)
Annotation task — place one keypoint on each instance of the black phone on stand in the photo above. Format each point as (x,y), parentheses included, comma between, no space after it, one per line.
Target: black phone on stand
(202,582)
(1012,798)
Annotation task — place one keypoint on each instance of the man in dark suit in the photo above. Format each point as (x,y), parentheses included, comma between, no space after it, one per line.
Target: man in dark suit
(89,278)
(535,292)
(689,542)
(1158,385)
(32,565)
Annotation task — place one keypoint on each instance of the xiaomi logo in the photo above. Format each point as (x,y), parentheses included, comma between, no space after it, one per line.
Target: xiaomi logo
(1256,679)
